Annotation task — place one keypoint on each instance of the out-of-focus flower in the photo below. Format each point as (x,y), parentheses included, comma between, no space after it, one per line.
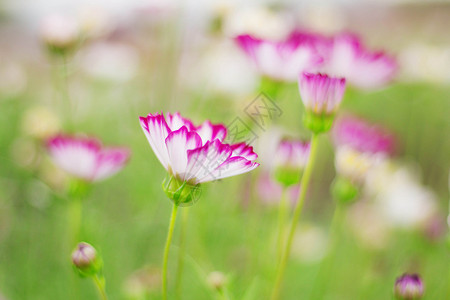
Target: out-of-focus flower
(309,244)
(110,61)
(400,197)
(194,154)
(270,191)
(86,259)
(13,79)
(409,287)
(142,283)
(60,33)
(290,159)
(86,158)
(95,22)
(321,96)
(259,22)
(347,57)
(216,280)
(360,146)
(40,122)
(281,60)
(362,136)
(368,225)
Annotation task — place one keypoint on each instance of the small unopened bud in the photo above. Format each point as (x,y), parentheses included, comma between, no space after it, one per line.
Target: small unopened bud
(216,280)
(409,287)
(343,190)
(86,260)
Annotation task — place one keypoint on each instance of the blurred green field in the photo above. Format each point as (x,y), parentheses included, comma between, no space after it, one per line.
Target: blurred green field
(229,230)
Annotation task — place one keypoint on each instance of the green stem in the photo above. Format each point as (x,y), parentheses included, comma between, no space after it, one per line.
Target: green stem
(166,250)
(297,212)
(65,95)
(179,275)
(282,212)
(100,283)
(75,215)
(325,269)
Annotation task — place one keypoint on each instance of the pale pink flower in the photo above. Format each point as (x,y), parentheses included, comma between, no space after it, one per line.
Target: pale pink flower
(345,56)
(320,93)
(281,60)
(195,154)
(292,154)
(86,158)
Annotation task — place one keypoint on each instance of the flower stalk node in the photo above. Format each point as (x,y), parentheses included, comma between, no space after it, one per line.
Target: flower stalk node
(181,193)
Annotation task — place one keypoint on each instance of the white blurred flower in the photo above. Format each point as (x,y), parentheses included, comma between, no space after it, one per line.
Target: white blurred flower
(355,165)
(59,31)
(95,21)
(259,22)
(224,69)
(400,197)
(110,61)
(365,221)
(309,244)
(40,122)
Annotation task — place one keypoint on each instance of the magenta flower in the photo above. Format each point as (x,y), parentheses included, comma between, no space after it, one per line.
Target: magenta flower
(86,158)
(409,287)
(362,136)
(345,56)
(281,60)
(195,154)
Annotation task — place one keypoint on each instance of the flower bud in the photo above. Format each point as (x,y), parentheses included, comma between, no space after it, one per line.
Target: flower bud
(216,280)
(408,287)
(60,34)
(86,260)
(181,192)
(343,190)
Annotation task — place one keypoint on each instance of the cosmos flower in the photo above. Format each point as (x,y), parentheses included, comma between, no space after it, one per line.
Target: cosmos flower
(195,154)
(346,56)
(363,136)
(290,159)
(409,287)
(86,158)
(359,147)
(60,33)
(281,60)
(320,93)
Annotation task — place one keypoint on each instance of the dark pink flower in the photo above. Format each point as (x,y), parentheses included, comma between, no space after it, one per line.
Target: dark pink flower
(362,136)
(86,158)
(195,154)
(409,287)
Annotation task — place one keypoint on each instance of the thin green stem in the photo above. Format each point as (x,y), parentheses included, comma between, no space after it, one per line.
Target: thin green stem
(75,215)
(325,269)
(166,250)
(100,283)
(282,212)
(65,95)
(181,251)
(297,212)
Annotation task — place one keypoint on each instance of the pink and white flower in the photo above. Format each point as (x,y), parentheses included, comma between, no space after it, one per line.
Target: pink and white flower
(360,147)
(346,56)
(362,136)
(195,154)
(292,154)
(320,93)
(281,60)
(86,158)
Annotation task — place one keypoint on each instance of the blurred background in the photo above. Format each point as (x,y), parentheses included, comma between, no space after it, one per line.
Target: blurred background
(137,57)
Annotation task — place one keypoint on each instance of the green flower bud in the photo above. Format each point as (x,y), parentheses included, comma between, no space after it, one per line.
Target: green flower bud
(287,176)
(343,190)
(86,260)
(181,192)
